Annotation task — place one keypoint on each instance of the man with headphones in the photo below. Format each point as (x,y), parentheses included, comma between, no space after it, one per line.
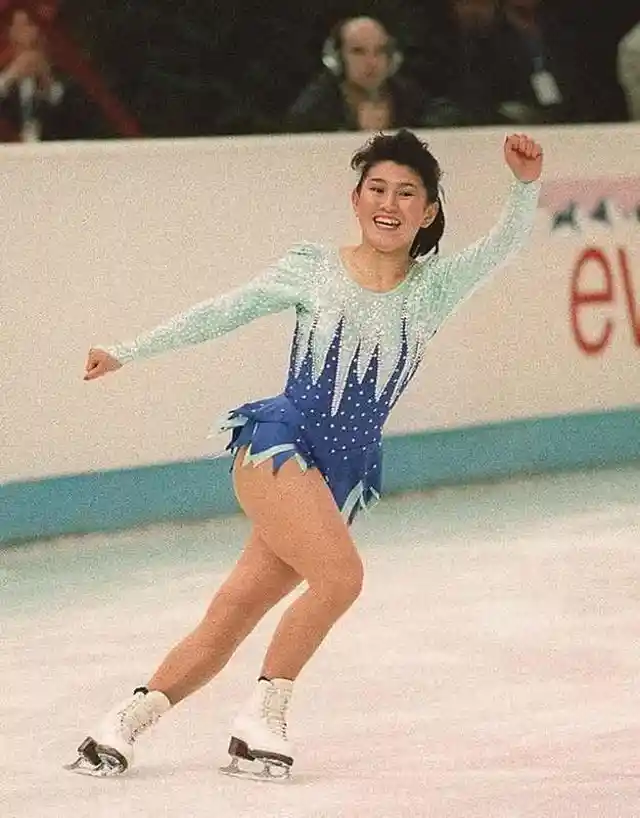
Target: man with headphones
(359,88)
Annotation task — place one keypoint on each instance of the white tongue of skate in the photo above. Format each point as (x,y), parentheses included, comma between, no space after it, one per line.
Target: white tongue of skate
(276,702)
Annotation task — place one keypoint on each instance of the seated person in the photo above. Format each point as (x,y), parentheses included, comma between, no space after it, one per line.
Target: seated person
(29,93)
(544,68)
(359,88)
(462,64)
(38,102)
(629,71)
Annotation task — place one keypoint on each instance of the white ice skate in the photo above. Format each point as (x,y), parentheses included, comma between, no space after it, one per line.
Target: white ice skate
(112,752)
(259,734)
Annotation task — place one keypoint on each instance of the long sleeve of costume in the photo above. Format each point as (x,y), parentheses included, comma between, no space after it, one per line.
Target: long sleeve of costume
(279,288)
(353,352)
(452,278)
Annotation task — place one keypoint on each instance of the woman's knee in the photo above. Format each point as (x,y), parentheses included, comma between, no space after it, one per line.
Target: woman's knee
(343,585)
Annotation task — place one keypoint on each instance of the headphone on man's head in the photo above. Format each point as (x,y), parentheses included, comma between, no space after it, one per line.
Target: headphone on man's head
(332,52)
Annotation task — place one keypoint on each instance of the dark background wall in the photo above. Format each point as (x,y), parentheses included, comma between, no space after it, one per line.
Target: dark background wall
(184,67)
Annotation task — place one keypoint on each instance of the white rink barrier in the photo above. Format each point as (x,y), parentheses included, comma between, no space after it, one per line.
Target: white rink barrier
(103,240)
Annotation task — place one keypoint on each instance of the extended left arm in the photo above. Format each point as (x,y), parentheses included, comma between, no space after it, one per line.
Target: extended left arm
(456,276)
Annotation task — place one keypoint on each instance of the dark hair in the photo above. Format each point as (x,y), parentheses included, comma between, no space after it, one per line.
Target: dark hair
(404,148)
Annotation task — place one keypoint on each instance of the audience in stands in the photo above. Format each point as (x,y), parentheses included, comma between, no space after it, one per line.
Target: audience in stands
(30,94)
(466,63)
(543,64)
(49,90)
(359,87)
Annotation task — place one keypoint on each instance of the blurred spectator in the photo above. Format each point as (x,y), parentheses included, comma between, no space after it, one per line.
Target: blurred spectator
(359,88)
(48,88)
(598,35)
(629,70)
(28,89)
(544,69)
(464,65)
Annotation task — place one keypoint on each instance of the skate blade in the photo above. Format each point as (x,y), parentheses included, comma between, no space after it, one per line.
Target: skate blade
(97,760)
(257,770)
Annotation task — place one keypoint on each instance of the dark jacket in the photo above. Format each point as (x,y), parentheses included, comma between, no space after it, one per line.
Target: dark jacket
(468,76)
(555,52)
(321,106)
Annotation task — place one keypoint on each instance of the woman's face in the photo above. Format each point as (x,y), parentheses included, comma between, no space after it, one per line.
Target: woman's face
(392,206)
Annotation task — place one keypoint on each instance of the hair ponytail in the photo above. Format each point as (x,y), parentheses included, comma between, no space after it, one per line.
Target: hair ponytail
(427,239)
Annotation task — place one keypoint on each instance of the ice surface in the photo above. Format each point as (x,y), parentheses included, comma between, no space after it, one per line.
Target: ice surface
(490,669)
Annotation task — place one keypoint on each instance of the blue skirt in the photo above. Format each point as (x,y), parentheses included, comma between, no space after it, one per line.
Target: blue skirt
(273,429)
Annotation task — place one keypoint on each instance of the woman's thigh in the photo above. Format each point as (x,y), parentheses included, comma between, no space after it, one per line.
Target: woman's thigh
(296,515)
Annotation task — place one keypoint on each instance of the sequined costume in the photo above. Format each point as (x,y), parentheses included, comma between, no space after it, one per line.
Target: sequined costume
(353,353)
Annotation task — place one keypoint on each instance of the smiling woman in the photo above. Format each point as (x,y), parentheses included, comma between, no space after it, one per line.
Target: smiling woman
(308,460)
(397,202)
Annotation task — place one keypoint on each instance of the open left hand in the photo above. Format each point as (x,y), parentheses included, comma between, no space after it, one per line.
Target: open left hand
(524,157)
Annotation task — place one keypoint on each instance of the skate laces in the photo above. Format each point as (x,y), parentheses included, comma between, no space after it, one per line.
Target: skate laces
(274,710)
(137,716)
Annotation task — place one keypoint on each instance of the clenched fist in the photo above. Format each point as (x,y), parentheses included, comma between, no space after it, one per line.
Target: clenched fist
(99,363)
(524,157)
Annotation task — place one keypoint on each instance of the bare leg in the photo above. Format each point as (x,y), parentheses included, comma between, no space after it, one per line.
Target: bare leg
(297,518)
(259,581)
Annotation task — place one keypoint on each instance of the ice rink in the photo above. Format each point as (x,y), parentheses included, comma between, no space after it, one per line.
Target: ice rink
(491,668)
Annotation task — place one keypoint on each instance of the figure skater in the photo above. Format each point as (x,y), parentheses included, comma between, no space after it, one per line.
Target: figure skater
(306,461)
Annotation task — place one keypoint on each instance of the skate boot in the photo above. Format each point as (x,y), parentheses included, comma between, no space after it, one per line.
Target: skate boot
(259,734)
(112,752)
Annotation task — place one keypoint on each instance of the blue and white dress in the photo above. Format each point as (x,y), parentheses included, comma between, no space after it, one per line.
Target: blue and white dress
(353,353)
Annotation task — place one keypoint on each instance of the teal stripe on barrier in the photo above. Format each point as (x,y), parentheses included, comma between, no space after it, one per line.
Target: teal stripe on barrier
(111,500)
(532,445)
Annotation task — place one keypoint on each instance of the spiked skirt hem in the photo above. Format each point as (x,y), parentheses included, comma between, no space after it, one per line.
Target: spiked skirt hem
(273,429)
